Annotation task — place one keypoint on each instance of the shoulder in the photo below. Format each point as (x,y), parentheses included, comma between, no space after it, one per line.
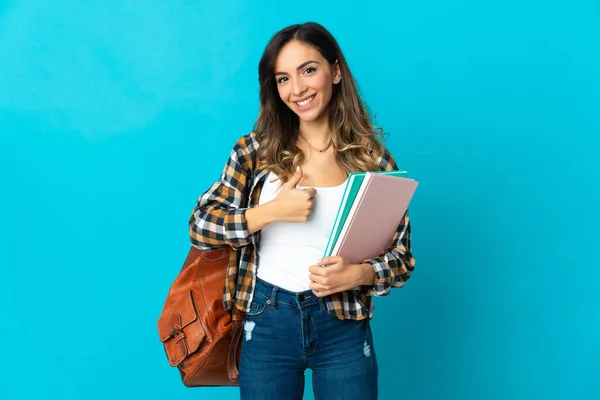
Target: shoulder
(386,161)
(247,143)
(245,150)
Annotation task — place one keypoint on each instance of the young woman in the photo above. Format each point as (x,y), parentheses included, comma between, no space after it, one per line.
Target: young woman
(275,205)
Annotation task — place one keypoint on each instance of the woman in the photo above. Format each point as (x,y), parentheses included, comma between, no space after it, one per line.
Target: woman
(275,205)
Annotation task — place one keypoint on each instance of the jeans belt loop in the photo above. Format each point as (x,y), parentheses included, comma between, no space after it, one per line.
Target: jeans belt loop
(274,298)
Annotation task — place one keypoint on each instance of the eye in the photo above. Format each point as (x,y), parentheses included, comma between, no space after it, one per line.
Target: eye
(281,80)
(309,70)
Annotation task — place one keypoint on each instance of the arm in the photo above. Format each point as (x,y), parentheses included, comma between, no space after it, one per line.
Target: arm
(219,218)
(222,217)
(375,276)
(260,216)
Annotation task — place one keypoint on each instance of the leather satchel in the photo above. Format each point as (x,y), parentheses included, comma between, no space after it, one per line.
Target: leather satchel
(199,336)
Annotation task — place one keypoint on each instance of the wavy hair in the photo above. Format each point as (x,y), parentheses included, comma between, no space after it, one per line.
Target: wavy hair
(356,141)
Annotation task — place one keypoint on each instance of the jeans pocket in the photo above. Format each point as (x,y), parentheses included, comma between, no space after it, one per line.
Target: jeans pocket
(258,307)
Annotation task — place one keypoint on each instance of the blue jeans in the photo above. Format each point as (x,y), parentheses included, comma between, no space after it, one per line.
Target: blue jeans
(285,333)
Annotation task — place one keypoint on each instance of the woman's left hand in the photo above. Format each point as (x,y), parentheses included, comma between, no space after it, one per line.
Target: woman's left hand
(336,275)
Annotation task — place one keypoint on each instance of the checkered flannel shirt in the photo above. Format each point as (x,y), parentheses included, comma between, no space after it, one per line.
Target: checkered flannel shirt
(219,220)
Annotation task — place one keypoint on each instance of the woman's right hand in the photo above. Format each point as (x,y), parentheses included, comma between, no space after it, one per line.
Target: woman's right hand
(291,204)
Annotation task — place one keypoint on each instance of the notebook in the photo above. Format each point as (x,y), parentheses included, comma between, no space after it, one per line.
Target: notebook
(353,185)
(372,220)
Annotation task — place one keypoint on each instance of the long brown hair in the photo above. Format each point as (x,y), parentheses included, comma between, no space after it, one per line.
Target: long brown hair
(355,139)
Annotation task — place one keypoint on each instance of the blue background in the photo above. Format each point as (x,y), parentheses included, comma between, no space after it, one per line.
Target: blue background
(116,115)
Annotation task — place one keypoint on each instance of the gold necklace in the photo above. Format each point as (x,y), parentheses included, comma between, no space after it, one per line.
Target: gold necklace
(310,145)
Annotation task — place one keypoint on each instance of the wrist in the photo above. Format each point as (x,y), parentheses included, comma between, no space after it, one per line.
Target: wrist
(271,211)
(365,275)
(258,217)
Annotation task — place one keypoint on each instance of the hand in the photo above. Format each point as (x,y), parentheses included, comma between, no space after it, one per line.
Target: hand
(337,275)
(291,204)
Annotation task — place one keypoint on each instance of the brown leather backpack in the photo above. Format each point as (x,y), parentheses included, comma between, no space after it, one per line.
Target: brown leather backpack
(200,337)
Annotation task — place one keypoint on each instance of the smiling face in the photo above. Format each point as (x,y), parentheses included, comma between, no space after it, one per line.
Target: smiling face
(305,80)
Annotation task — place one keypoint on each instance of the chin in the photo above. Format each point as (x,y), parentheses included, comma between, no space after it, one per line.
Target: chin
(308,117)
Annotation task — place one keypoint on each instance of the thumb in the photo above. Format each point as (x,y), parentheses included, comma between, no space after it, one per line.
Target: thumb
(327,261)
(294,179)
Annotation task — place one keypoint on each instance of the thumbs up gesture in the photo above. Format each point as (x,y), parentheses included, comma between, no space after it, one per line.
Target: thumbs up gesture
(292,204)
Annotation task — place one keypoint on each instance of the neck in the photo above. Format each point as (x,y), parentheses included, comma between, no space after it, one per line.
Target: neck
(317,132)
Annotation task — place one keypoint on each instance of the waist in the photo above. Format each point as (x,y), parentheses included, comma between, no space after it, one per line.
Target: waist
(279,295)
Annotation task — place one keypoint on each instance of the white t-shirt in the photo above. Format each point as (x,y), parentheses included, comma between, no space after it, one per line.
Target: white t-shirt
(287,249)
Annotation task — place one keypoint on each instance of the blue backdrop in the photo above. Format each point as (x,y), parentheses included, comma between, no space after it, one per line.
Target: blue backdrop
(116,115)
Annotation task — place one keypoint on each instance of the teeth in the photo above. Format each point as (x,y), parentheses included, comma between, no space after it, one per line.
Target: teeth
(305,102)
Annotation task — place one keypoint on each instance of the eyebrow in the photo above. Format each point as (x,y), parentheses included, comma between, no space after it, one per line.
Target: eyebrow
(304,64)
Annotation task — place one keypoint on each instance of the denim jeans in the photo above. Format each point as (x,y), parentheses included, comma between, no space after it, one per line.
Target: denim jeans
(285,333)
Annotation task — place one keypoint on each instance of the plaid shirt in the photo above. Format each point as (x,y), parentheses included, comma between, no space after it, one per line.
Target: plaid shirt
(219,220)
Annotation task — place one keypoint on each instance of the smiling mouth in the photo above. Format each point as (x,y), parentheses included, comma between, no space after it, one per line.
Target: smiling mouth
(305,103)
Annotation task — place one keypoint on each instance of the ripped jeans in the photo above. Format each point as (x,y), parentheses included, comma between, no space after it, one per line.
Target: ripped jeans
(285,333)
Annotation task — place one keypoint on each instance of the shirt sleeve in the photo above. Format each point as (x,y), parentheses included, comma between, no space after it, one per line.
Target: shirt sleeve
(394,266)
(219,218)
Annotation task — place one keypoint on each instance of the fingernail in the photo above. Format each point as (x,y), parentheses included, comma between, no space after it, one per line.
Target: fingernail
(319,261)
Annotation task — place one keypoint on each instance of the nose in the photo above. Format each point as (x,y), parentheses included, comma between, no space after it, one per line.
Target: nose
(298,88)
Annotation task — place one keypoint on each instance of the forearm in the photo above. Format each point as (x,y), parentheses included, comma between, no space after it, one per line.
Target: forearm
(392,269)
(365,274)
(260,216)
(213,227)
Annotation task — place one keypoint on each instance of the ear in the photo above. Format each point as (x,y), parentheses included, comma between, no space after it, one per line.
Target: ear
(337,73)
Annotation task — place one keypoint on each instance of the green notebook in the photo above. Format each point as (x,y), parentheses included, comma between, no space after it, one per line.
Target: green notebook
(355,180)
